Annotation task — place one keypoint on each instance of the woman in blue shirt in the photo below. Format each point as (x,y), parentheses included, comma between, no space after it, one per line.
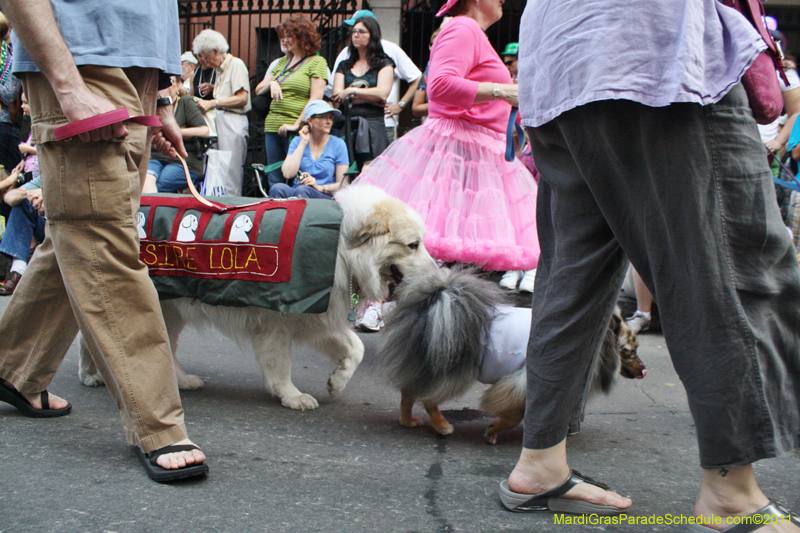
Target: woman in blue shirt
(317,160)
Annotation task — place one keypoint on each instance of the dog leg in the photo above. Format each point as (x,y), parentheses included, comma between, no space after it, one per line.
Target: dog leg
(175,324)
(406,405)
(87,370)
(273,352)
(505,400)
(505,422)
(344,342)
(438,421)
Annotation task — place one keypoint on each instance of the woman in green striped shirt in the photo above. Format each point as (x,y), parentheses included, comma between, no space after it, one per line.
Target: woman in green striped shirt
(297,78)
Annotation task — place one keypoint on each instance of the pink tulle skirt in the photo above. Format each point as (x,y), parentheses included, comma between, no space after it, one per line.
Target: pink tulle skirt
(478,208)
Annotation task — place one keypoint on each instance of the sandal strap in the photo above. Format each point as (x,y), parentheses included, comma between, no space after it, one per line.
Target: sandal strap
(575,477)
(152,456)
(45,396)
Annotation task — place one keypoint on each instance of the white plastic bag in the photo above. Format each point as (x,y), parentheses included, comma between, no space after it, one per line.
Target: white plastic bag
(218,166)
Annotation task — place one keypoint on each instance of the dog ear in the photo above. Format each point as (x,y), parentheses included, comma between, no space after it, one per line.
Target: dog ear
(377,224)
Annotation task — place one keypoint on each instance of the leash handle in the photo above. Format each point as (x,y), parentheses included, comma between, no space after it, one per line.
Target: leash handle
(99,121)
(512,123)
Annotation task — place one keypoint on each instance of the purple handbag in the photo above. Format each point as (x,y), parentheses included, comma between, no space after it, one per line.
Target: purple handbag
(760,81)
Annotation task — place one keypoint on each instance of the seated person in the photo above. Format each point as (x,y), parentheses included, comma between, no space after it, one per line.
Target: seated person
(24,230)
(165,174)
(320,159)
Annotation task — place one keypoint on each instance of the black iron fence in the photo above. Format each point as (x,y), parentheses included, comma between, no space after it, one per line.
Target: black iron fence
(249,25)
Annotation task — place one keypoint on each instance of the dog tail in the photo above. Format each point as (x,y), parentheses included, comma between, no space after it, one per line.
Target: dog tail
(432,343)
(506,398)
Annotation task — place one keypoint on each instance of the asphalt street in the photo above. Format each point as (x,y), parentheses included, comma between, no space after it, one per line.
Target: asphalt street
(348,466)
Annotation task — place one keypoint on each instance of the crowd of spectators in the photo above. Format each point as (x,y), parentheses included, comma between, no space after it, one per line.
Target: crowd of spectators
(212,98)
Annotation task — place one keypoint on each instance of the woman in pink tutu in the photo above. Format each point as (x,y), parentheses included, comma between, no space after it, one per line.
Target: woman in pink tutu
(478,208)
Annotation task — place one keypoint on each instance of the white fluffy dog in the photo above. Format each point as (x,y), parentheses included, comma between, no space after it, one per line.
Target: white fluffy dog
(380,242)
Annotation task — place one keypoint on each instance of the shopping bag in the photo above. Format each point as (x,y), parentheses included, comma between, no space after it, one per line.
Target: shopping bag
(218,164)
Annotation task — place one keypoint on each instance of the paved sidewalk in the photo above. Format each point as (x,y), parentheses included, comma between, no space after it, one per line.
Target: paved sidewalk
(348,466)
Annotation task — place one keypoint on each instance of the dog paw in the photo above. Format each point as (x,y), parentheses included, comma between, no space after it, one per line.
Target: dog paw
(414,422)
(92,380)
(490,436)
(190,382)
(303,402)
(336,384)
(443,429)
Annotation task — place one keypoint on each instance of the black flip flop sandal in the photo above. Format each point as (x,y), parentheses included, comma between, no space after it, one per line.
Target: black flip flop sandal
(552,500)
(10,395)
(165,475)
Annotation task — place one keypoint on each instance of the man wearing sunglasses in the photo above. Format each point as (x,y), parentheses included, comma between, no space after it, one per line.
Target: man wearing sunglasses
(509,56)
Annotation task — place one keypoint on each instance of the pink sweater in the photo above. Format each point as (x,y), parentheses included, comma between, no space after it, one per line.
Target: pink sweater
(462,57)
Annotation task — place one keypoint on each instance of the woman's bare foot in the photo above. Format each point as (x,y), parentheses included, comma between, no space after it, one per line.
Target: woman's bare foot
(733,491)
(538,471)
(174,461)
(35,400)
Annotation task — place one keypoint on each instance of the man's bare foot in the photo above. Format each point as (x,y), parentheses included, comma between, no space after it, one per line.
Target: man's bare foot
(541,470)
(174,461)
(733,492)
(35,400)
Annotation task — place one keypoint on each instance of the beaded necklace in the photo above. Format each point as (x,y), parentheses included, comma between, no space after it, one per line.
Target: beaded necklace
(286,72)
(5,59)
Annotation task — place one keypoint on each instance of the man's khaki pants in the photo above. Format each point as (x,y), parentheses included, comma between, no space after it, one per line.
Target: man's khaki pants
(87,274)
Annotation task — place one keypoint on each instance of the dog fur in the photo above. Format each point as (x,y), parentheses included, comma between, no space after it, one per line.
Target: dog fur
(380,242)
(433,342)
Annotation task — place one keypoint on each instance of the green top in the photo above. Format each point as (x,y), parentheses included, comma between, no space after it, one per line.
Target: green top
(296,91)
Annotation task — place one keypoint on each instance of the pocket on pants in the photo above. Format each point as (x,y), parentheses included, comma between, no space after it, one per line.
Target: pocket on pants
(94,181)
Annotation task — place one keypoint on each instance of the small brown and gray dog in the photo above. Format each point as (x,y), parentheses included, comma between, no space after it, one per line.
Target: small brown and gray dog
(451,328)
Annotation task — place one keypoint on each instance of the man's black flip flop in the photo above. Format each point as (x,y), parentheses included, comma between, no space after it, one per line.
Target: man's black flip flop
(9,394)
(165,475)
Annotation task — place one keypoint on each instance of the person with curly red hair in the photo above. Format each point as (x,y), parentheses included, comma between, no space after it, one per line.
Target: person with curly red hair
(296,79)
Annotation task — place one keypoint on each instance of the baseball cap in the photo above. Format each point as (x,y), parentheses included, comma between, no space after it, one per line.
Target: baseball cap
(512,49)
(320,107)
(188,57)
(359,14)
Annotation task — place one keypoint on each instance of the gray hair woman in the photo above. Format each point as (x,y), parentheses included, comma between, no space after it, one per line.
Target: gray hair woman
(231,100)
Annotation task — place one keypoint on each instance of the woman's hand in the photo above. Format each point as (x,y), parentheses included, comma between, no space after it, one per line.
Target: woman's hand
(305,133)
(26,148)
(309,181)
(341,96)
(286,129)
(774,146)
(510,93)
(275,91)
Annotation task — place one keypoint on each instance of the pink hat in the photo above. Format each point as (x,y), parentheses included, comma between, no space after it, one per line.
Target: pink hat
(446,7)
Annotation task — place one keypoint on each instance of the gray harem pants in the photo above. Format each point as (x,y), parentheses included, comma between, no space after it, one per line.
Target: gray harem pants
(685,193)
